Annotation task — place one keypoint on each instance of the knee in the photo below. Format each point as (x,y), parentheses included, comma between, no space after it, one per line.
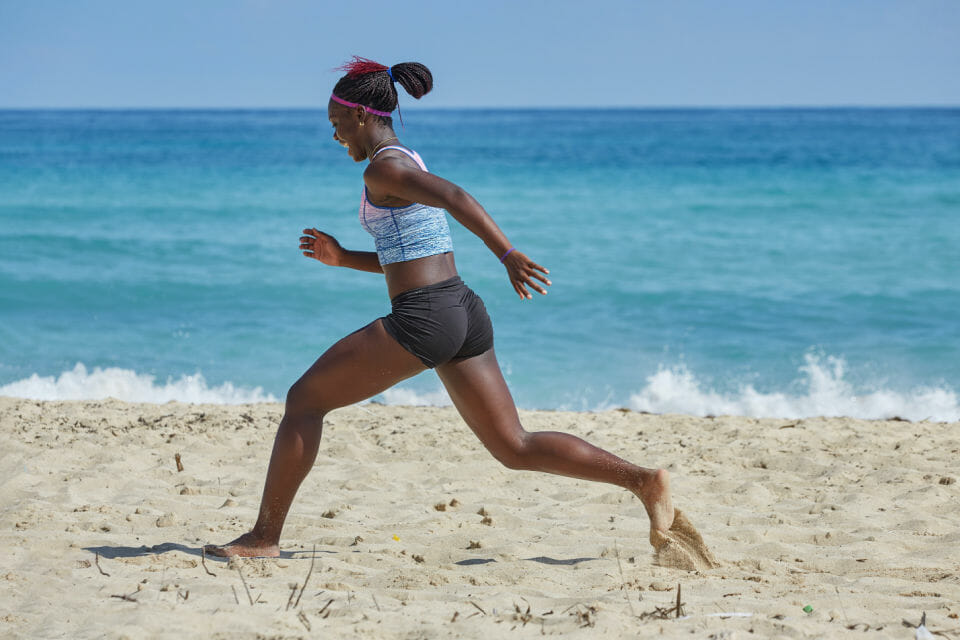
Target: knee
(516,454)
(303,401)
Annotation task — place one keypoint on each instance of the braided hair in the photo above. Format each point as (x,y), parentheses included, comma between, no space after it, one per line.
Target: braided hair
(372,84)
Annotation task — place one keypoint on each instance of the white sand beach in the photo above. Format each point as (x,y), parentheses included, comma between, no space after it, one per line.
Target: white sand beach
(419,533)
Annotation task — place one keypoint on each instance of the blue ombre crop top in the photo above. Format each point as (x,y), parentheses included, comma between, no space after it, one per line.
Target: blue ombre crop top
(405,233)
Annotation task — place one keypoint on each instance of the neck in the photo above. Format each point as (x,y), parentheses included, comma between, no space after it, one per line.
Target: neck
(379,138)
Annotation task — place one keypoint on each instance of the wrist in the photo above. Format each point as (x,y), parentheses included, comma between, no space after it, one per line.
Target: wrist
(507,253)
(339,257)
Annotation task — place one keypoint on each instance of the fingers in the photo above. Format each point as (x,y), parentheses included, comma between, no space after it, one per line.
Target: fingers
(524,273)
(528,278)
(311,243)
(538,267)
(313,234)
(520,286)
(541,278)
(308,239)
(533,285)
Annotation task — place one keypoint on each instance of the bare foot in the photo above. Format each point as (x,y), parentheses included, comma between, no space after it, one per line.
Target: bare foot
(655,495)
(246,546)
(681,547)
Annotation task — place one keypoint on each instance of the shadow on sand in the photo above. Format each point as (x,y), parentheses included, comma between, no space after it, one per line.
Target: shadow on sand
(112,553)
(541,559)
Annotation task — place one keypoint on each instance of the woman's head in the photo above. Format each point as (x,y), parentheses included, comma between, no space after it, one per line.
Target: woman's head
(372,85)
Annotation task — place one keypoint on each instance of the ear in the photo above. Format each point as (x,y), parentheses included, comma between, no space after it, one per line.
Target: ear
(361,114)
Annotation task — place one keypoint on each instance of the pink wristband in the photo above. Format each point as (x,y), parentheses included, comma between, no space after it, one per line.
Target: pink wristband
(509,251)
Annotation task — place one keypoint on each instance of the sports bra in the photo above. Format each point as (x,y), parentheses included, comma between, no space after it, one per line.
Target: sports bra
(405,233)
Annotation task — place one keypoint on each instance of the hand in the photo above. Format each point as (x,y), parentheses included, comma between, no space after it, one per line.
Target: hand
(320,246)
(522,271)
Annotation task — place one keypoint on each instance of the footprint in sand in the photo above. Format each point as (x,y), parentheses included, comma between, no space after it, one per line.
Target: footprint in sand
(681,547)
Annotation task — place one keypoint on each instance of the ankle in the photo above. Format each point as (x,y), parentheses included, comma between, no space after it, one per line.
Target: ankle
(647,480)
(263,535)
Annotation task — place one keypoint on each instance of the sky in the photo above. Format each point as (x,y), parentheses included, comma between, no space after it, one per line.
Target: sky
(485,53)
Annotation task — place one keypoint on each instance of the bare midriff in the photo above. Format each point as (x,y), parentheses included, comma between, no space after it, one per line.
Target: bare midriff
(413,274)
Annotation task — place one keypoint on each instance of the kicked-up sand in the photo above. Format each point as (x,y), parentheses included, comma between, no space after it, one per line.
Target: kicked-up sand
(408,528)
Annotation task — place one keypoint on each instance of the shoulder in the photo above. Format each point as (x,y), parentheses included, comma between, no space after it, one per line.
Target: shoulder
(389,168)
(397,176)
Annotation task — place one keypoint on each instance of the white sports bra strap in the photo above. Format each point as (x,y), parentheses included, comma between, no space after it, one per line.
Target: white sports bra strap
(409,152)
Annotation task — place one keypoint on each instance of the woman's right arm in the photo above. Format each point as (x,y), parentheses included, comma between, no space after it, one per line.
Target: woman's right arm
(325,248)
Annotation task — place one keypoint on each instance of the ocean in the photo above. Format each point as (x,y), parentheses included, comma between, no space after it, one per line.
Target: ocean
(763,262)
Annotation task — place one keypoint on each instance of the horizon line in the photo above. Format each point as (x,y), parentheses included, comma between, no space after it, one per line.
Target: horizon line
(499,107)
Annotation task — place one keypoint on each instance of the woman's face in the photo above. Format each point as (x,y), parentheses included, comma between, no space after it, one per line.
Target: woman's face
(346,129)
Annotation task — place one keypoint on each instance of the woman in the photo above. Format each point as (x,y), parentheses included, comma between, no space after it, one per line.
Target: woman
(436,321)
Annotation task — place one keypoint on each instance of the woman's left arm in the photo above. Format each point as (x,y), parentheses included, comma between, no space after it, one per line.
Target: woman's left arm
(400,181)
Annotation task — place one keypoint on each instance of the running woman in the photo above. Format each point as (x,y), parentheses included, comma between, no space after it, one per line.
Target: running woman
(436,321)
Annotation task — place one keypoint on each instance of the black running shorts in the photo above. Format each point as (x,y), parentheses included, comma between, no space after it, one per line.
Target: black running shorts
(440,322)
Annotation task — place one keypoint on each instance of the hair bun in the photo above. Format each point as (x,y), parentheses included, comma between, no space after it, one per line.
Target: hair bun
(414,77)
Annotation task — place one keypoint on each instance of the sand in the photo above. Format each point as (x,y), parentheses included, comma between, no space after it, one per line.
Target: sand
(419,533)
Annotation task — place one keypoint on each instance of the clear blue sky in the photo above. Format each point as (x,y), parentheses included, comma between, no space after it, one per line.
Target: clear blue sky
(279,53)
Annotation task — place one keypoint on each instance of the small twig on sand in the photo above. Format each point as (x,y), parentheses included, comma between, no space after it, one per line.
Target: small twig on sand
(522,616)
(235,594)
(659,613)
(313,559)
(479,608)
(375,601)
(293,592)
(244,581)
(303,619)
(176,458)
(329,602)
(203,561)
(125,597)
(837,589)
(623,581)
(587,617)
(96,559)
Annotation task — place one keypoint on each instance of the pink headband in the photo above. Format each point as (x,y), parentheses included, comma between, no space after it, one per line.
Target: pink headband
(354,104)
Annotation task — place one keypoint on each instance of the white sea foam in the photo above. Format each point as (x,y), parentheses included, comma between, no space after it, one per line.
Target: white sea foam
(827,393)
(409,397)
(823,390)
(124,384)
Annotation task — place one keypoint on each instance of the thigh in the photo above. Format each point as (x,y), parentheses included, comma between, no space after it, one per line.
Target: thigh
(482,398)
(359,366)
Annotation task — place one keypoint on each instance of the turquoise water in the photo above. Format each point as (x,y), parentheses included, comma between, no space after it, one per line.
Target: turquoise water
(762,262)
